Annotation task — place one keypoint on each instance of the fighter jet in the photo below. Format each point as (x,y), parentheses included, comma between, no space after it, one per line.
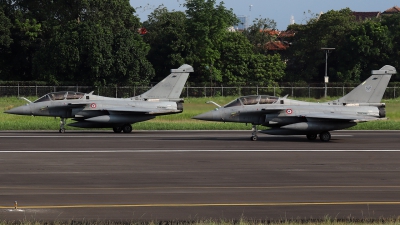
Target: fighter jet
(285,116)
(93,111)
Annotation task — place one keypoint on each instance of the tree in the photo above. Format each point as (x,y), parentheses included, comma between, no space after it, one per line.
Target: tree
(93,54)
(206,24)
(236,52)
(367,48)
(260,33)
(93,42)
(392,22)
(201,37)
(167,36)
(306,60)
(239,64)
(5,26)
(59,58)
(5,42)
(89,41)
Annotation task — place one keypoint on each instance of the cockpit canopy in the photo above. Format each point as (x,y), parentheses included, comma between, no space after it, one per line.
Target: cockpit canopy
(252,100)
(61,95)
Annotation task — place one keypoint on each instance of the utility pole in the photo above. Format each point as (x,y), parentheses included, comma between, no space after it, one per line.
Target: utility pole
(326,78)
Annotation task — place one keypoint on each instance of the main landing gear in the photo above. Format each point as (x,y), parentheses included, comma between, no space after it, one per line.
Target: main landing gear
(311,137)
(126,128)
(254,136)
(324,136)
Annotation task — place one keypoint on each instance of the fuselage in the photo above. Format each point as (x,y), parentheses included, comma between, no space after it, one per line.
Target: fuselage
(96,111)
(292,114)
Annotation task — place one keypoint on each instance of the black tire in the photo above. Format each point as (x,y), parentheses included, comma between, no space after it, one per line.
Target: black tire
(117,129)
(325,136)
(127,128)
(254,138)
(62,130)
(311,137)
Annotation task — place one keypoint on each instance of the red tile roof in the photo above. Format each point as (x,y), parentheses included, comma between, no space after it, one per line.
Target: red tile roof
(394,9)
(276,45)
(365,15)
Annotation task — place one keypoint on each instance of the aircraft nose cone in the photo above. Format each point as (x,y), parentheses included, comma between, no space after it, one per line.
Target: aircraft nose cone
(21,110)
(210,116)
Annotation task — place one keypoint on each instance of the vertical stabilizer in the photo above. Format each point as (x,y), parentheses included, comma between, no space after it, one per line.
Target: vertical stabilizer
(372,89)
(170,88)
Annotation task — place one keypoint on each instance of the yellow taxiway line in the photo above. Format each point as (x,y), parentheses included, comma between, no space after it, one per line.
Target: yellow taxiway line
(199,205)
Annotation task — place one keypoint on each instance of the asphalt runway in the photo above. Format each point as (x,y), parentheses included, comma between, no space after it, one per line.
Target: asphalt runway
(193,175)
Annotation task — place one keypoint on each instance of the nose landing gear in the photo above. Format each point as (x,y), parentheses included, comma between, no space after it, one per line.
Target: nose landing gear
(254,136)
(62,124)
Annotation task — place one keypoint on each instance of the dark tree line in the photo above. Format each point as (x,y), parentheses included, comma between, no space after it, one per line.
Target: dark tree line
(96,42)
(78,41)
(360,46)
(203,37)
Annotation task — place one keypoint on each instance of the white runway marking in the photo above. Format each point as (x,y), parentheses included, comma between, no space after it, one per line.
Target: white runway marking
(65,136)
(197,150)
(145,136)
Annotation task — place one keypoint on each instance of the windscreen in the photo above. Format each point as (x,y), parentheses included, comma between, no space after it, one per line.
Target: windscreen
(233,103)
(266,99)
(249,100)
(61,95)
(42,99)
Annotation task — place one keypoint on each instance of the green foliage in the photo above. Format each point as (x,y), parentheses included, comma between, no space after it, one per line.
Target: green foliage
(207,25)
(369,43)
(201,37)
(30,28)
(259,34)
(392,22)
(266,69)
(168,40)
(91,42)
(5,42)
(306,59)
(96,42)
(5,26)
(236,54)
(361,46)
(93,54)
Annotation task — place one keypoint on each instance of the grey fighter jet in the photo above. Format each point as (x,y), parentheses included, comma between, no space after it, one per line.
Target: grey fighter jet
(93,111)
(290,117)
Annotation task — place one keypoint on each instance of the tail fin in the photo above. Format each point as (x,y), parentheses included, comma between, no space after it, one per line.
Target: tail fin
(170,88)
(372,89)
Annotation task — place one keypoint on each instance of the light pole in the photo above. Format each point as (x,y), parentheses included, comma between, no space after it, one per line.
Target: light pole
(209,68)
(248,22)
(326,78)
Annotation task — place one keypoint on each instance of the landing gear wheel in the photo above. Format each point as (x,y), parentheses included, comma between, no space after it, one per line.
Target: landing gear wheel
(325,136)
(311,137)
(117,129)
(254,136)
(62,123)
(127,128)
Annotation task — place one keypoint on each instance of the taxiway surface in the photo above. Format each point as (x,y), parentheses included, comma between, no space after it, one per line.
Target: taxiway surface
(192,175)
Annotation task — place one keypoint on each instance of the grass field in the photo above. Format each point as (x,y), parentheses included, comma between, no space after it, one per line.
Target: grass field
(244,221)
(182,121)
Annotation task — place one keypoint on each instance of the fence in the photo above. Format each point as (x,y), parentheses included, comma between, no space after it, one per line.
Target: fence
(190,92)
